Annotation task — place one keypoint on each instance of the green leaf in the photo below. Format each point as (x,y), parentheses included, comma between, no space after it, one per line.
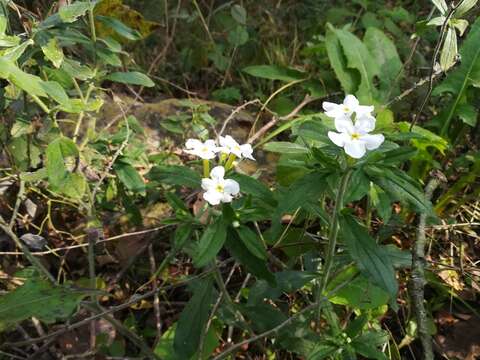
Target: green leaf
(359,293)
(55,91)
(183,233)
(238,36)
(239,14)
(460,79)
(256,188)
(70,13)
(14,53)
(192,321)
(386,56)
(468,114)
(464,7)
(274,72)
(119,27)
(348,78)
(133,78)
(31,84)
(175,175)
(129,176)
(53,52)
(359,58)
(400,186)
(77,70)
(210,243)
(441,5)
(37,298)
(74,186)
(252,241)
(241,254)
(285,147)
(449,50)
(57,153)
(369,256)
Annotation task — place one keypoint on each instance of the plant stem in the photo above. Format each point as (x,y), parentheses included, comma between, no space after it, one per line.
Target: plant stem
(206,168)
(332,237)
(230,161)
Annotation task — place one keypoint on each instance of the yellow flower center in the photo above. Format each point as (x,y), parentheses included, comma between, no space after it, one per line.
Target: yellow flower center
(205,149)
(346,109)
(219,188)
(355,136)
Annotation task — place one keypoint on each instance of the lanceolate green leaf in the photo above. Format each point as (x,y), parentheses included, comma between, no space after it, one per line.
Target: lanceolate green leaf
(360,59)
(132,77)
(252,241)
(210,243)
(273,72)
(37,298)
(58,151)
(347,77)
(457,82)
(191,325)
(386,56)
(129,176)
(368,255)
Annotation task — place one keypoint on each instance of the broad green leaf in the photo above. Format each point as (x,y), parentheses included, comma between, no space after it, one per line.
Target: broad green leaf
(460,79)
(31,84)
(322,351)
(57,153)
(285,147)
(400,187)
(210,243)
(441,5)
(449,50)
(77,70)
(238,36)
(53,52)
(14,53)
(183,233)
(348,78)
(70,13)
(129,176)
(386,56)
(37,298)
(192,321)
(175,175)
(423,139)
(274,72)
(464,7)
(252,241)
(76,106)
(253,264)
(368,344)
(119,27)
(256,188)
(239,14)
(359,293)
(359,58)
(55,91)
(74,186)
(369,256)
(132,77)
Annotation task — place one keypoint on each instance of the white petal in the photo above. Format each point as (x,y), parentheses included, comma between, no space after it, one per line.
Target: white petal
(364,110)
(230,141)
(207,184)
(193,143)
(351,102)
(211,144)
(372,141)
(364,124)
(338,139)
(344,125)
(207,155)
(355,148)
(226,198)
(329,106)
(213,197)
(217,173)
(231,187)
(222,141)
(247,151)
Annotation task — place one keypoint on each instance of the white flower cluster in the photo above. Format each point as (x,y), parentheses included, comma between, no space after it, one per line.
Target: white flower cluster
(353,122)
(217,189)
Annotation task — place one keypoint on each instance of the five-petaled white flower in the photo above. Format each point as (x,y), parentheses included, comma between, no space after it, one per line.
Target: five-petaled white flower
(345,110)
(217,189)
(205,150)
(229,145)
(355,137)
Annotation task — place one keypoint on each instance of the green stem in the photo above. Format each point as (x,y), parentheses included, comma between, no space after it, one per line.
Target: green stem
(332,237)
(230,161)
(40,103)
(206,168)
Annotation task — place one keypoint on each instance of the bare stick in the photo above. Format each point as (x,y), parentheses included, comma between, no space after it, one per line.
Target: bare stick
(417,282)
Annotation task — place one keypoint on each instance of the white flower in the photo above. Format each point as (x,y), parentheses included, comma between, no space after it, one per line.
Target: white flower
(355,138)
(217,189)
(228,145)
(345,111)
(205,150)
